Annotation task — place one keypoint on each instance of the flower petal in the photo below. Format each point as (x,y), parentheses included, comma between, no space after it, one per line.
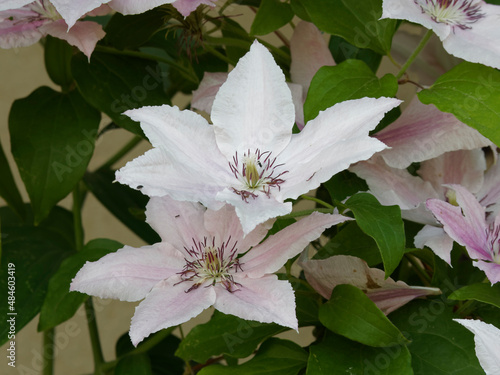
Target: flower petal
(469,228)
(17,30)
(463,167)
(423,132)
(128,274)
(168,305)
(272,254)
(13,4)
(309,52)
(253,109)
(84,34)
(136,6)
(479,43)
(437,240)
(489,195)
(72,11)
(486,338)
(177,223)
(185,7)
(391,299)
(204,95)
(266,300)
(331,142)
(256,210)
(156,174)
(492,270)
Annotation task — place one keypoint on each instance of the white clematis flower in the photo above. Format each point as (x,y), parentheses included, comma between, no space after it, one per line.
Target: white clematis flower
(249,157)
(204,260)
(469,29)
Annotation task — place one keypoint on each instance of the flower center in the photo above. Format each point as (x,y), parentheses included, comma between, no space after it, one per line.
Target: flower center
(494,241)
(45,9)
(459,13)
(256,171)
(207,262)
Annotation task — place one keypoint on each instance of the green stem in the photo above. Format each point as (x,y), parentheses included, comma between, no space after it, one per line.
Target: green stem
(77,216)
(122,152)
(48,352)
(94,337)
(466,308)
(426,279)
(188,74)
(319,201)
(415,53)
(219,55)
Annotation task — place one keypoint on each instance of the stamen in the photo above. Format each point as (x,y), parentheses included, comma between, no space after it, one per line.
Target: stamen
(456,13)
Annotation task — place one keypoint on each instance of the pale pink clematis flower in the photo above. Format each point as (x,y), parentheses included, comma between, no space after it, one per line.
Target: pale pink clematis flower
(204,260)
(72,11)
(487,341)
(27,25)
(469,29)
(470,226)
(309,52)
(249,157)
(325,274)
(393,186)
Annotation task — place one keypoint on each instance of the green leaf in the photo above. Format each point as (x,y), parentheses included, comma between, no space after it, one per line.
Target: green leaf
(350,313)
(343,50)
(57,54)
(383,224)
(275,357)
(8,188)
(338,355)
(355,21)
(52,140)
(114,84)
(479,292)
(60,304)
(161,354)
(299,10)
(35,253)
(128,205)
(137,364)
(307,301)
(272,15)
(471,92)
(434,337)
(344,184)
(352,79)
(351,240)
(225,334)
(134,30)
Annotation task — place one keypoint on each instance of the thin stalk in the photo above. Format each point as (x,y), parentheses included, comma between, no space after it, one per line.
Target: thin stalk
(219,55)
(188,370)
(426,279)
(466,308)
(147,56)
(77,217)
(48,352)
(389,56)
(276,32)
(319,201)
(122,152)
(94,337)
(415,53)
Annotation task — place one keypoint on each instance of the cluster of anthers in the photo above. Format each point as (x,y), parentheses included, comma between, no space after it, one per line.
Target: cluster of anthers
(208,262)
(256,172)
(456,13)
(493,233)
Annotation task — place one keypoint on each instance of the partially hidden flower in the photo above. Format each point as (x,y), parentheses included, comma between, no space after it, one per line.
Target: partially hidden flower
(469,29)
(309,52)
(25,26)
(249,157)
(468,224)
(393,186)
(204,260)
(325,274)
(72,11)
(487,340)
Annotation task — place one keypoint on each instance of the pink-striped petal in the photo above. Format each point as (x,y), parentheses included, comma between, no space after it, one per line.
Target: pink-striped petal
(185,7)
(266,300)
(204,95)
(491,269)
(168,305)
(128,274)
